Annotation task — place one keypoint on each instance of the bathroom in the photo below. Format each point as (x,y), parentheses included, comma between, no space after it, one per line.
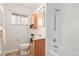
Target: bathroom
(19,28)
(39,29)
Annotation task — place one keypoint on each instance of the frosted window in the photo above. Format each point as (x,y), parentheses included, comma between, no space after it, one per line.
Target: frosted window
(13,21)
(19,19)
(24,20)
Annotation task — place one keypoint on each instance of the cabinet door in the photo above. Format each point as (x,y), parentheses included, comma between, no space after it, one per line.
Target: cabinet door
(34,20)
(40,47)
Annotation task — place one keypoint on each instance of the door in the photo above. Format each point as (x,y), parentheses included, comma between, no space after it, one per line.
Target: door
(40,47)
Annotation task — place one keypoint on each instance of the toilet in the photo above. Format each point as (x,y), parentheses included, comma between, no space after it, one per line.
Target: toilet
(24,49)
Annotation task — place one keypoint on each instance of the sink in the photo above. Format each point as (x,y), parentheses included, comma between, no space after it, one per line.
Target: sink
(37,36)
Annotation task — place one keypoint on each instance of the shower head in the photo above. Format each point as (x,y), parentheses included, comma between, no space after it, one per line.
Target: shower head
(57,10)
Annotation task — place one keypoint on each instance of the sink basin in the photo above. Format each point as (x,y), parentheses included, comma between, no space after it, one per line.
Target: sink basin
(37,37)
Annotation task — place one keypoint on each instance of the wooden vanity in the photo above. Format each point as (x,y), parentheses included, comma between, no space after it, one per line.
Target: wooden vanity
(38,47)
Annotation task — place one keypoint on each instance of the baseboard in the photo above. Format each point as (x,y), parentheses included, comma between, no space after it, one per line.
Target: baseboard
(10,52)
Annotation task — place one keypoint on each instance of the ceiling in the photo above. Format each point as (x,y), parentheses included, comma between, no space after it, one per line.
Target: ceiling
(31,6)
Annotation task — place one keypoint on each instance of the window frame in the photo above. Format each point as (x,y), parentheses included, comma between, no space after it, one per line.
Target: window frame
(20,22)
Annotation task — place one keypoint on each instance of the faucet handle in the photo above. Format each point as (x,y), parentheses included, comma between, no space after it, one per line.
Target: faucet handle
(55,46)
(54,40)
(40,35)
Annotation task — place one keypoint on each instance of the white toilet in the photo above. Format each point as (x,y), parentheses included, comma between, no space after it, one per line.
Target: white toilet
(24,49)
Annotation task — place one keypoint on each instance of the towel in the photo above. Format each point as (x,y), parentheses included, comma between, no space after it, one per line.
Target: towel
(2,35)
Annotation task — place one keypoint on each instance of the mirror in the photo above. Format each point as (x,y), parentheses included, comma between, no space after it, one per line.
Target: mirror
(42,17)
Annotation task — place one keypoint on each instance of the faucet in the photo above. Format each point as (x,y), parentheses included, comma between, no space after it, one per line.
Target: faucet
(38,35)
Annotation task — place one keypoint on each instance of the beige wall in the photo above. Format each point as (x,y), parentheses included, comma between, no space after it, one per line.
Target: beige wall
(15,31)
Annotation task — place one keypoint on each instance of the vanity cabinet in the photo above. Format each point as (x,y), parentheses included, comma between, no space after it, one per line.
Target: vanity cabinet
(38,47)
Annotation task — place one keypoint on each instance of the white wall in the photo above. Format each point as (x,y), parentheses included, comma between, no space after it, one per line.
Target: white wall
(1,13)
(70,36)
(15,31)
(51,34)
(67,33)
